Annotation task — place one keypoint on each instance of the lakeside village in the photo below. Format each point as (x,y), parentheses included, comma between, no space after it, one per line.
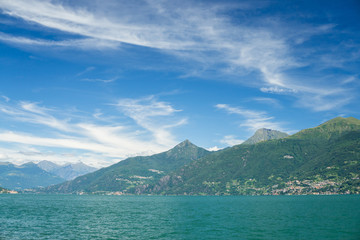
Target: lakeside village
(292,187)
(329,184)
(248,187)
(6,191)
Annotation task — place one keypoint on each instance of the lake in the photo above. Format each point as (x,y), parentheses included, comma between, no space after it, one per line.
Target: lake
(179,217)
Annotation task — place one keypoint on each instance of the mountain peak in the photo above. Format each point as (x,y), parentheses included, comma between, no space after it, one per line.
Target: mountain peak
(188,149)
(185,143)
(183,146)
(264,134)
(47,165)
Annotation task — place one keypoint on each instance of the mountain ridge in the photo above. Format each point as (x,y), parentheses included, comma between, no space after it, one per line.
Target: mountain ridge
(324,159)
(67,171)
(25,176)
(330,129)
(320,160)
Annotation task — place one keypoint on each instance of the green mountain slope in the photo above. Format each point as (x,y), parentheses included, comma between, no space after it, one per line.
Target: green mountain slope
(133,174)
(264,134)
(324,159)
(28,175)
(331,129)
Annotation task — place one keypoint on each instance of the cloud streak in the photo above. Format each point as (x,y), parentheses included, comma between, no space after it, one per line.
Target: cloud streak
(99,80)
(189,30)
(148,113)
(252,120)
(86,43)
(89,136)
(195,30)
(231,140)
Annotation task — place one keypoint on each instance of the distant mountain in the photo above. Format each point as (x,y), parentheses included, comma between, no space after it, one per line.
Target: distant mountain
(25,176)
(264,134)
(48,166)
(127,175)
(320,160)
(68,171)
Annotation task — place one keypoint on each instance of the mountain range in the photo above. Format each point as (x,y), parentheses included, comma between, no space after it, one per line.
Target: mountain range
(43,174)
(320,160)
(134,174)
(67,171)
(25,176)
(324,159)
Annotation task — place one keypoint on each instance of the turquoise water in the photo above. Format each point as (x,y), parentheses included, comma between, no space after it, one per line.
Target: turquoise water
(179,217)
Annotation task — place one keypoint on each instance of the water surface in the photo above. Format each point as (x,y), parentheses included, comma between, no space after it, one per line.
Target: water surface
(179,217)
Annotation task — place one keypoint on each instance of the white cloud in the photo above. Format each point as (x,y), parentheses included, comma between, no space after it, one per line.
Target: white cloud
(214,149)
(252,120)
(53,142)
(187,29)
(321,103)
(104,142)
(201,32)
(350,79)
(231,140)
(269,101)
(7,99)
(148,113)
(32,113)
(86,43)
(82,22)
(277,90)
(87,70)
(99,80)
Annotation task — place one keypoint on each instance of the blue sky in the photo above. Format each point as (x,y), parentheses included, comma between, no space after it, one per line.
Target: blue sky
(99,81)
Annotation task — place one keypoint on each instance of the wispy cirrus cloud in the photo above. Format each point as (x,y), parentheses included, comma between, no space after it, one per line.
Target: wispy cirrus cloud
(87,70)
(148,113)
(99,80)
(86,43)
(251,119)
(204,33)
(7,99)
(231,140)
(90,137)
(185,29)
(32,113)
(278,90)
(82,22)
(269,101)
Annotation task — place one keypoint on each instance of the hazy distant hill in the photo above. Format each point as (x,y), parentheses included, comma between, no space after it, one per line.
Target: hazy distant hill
(28,175)
(324,159)
(127,175)
(48,166)
(68,171)
(264,134)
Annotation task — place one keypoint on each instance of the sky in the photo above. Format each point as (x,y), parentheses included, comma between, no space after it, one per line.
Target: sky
(100,81)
